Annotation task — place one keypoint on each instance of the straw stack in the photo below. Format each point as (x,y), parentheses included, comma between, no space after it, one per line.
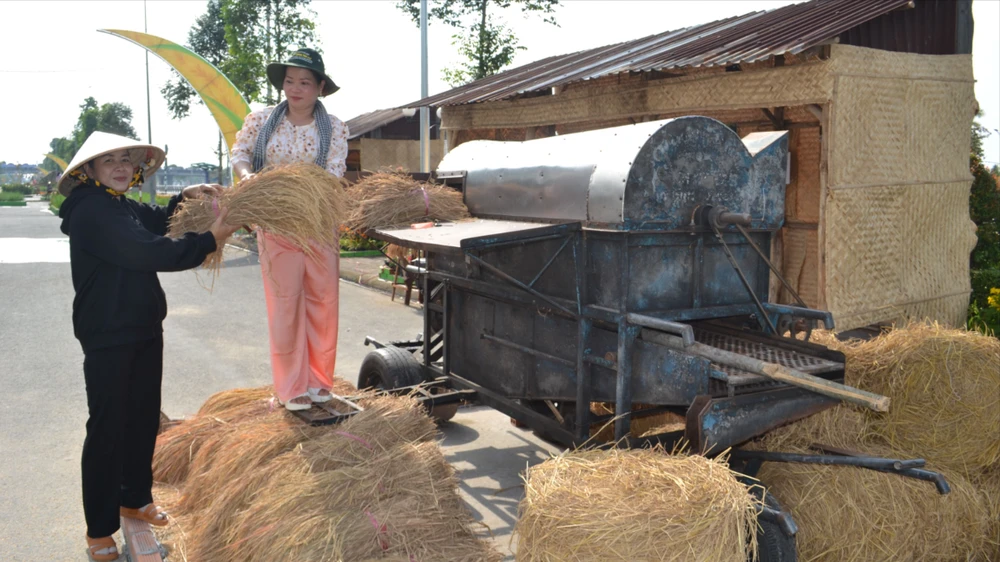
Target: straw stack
(388,199)
(261,485)
(945,390)
(641,504)
(847,514)
(301,202)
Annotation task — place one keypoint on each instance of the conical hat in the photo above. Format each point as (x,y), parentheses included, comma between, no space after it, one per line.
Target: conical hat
(147,156)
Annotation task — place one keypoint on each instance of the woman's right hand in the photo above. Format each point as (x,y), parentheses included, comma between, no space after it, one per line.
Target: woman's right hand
(220,230)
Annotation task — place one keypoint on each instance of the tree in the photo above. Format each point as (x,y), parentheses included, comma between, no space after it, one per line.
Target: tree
(261,31)
(984,210)
(489,45)
(207,37)
(113,118)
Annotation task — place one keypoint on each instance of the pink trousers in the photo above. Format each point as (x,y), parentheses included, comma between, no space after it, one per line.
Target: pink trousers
(302,306)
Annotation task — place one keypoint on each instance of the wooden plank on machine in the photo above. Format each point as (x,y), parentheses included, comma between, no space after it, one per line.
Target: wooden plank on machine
(142,545)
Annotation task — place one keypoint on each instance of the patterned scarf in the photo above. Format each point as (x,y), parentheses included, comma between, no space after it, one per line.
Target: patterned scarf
(322,120)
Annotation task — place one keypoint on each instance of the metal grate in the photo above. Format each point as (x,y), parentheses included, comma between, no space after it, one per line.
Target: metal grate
(765,352)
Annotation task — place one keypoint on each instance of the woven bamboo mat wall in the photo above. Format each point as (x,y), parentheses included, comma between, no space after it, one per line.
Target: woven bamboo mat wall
(897,233)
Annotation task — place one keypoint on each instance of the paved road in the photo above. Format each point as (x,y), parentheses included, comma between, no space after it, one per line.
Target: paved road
(215,340)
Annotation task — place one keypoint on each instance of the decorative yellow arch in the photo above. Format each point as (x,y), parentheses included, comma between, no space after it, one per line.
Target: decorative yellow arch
(219,94)
(62,163)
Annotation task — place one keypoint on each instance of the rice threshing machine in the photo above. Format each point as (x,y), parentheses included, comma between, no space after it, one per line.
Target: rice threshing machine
(628,266)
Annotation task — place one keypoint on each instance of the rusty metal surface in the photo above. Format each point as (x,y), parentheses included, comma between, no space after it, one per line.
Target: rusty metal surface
(747,38)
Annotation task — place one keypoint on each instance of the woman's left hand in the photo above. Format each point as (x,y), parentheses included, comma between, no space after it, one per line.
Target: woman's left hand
(202,190)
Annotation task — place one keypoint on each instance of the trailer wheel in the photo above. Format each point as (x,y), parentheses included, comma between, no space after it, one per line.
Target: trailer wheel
(389,367)
(773,545)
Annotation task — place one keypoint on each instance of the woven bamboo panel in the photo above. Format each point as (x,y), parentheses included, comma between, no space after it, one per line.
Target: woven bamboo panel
(382,153)
(795,85)
(800,265)
(891,249)
(862,61)
(895,131)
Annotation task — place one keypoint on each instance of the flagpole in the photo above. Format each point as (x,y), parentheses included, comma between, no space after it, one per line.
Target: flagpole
(151,182)
(425,156)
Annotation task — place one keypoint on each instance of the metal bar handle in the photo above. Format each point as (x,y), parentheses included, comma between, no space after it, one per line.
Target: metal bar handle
(685,331)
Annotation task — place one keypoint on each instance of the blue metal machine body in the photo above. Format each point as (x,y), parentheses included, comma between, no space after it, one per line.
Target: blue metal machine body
(587,249)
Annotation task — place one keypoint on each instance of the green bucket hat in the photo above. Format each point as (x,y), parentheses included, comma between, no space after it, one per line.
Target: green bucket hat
(302,58)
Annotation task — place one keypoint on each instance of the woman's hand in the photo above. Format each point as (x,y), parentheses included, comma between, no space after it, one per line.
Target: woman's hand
(202,190)
(220,230)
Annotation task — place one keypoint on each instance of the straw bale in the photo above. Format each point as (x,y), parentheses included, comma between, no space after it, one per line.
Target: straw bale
(388,199)
(176,446)
(849,514)
(401,501)
(988,484)
(221,401)
(301,202)
(640,504)
(945,391)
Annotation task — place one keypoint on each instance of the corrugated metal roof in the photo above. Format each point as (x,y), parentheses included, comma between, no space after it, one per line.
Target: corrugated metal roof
(368,122)
(741,39)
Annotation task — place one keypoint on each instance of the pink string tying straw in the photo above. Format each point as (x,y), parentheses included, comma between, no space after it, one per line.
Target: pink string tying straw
(427,202)
(356,438)
(215,206)
(380,529)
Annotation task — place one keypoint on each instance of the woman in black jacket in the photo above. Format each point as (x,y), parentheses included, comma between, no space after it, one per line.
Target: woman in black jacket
(116,248)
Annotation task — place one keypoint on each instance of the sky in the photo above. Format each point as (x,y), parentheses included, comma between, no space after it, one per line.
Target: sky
(52,57)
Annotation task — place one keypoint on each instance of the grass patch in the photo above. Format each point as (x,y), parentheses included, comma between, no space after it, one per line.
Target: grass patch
(7,197)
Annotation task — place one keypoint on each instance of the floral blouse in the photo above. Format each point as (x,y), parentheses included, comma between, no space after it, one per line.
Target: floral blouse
(290,143)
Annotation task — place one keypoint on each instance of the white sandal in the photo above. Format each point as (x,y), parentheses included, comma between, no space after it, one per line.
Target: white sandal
(316,397)
(295,406)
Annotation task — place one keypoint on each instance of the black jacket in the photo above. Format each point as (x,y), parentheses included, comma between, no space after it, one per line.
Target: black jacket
(116,246)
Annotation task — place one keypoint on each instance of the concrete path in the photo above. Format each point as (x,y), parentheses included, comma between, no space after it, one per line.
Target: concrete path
(214,340)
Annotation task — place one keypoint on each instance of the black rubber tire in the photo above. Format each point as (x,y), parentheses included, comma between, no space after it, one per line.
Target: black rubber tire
(388,368)
(773,545)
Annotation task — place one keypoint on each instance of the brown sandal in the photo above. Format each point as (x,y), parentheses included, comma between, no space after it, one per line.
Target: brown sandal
(148,513)
(103,543)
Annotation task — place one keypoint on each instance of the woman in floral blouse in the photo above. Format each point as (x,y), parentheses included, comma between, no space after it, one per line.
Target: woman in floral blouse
(301,292)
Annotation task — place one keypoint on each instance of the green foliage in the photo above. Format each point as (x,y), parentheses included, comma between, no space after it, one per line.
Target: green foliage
(259,32)
(984,262)
(489,45)
(161,200)
(115,118)
(207,37)
(20,188)
(353,241)
(6,197)
(56,201)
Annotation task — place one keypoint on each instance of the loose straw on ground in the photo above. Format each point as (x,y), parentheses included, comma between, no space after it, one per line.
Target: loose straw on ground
(301,202)
(641,504)
(388,200)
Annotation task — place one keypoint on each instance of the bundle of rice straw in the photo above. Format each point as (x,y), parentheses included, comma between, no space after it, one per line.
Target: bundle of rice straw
(945,391)
(402,501)
(301,202)
(849,514)
(264,486)
(640,504)
(387,200)
(989,486)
